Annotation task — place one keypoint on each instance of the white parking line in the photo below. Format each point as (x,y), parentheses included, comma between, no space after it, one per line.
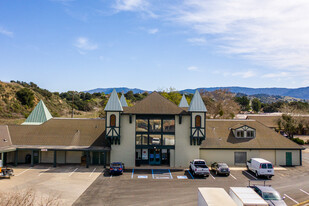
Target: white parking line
(23,171)
(304,191)
(233,176)
(44,171)
(250,175)
(291,199)
(152,174)
(132,173)
(73,172)
(111,176)
(212,176)
(92,172)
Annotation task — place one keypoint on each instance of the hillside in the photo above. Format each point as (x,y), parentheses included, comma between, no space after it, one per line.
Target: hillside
(301,93)
(12,110)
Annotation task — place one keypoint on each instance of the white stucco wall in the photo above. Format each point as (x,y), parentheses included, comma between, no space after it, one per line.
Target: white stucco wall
(125,152)
(74,156)
(47,157)
(184,152)
(281,157)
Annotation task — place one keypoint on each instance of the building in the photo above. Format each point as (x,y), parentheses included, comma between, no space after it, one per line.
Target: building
(154,131)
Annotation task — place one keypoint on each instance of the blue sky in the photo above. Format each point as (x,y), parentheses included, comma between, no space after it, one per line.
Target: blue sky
(155,44)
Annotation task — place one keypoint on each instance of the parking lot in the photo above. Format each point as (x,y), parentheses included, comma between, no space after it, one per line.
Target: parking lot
(75,184)
(66,182)
(179,187)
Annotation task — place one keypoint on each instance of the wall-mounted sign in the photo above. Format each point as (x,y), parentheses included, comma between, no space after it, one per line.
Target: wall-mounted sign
(145,154)
(43,150)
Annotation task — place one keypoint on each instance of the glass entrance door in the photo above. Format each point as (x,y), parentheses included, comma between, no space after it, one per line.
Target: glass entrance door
(154,157)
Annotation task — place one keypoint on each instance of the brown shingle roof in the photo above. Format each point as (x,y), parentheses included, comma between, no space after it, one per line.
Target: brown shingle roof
(67,133)
(269,121)
(219,136)
(154,104)
(5,139)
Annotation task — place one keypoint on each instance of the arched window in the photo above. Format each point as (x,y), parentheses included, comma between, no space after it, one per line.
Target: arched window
(197,121)
(113,120)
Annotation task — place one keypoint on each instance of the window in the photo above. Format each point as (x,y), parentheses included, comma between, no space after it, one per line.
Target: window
(240,133)
(113,120)
(250,133)
(154,139)
(197,121)
(142,125)
(168,139)
(141,139)
(155,125)
(169,125)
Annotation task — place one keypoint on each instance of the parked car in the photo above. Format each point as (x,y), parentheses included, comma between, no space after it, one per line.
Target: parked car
(260,167)
(116,168)
(245,196)
(199,167)
(269,194)
(220,168)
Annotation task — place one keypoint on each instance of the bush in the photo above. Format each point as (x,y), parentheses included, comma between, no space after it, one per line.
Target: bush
(25,96)
(299,141)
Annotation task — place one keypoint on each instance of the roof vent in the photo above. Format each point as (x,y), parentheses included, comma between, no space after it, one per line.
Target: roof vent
(5,140)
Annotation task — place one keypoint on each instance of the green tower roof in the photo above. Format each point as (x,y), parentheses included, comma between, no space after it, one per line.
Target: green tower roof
(39,115)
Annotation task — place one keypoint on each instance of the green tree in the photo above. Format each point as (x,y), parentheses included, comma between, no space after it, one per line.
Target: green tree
(256,105)
(243,102)
(25,96)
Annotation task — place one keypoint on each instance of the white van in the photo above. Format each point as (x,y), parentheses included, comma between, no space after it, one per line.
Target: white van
(261,167)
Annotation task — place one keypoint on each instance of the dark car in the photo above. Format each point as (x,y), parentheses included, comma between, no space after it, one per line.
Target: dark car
(116,168)
(220,168)
(269,194)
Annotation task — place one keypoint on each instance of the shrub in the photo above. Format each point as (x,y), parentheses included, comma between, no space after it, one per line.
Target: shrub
(25,96)
(298,141)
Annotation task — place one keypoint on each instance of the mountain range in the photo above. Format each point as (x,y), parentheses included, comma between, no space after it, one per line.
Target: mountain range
(302,93)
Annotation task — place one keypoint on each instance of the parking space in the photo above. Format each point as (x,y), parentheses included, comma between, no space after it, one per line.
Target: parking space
(66,182)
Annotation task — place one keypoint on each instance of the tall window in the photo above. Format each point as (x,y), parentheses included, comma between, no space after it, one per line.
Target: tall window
(113,120)
(197,121)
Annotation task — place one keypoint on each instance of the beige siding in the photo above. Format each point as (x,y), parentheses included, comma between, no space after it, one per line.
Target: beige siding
(47,157)
(281,157)
(184,152)
(269,155)
(125,152)
(10,157)
(61,157)
(74,156)
(22,155)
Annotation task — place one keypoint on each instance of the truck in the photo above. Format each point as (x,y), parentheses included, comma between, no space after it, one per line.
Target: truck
(261,167)
(214,196)
(5,172)
(245,196)
(199,167)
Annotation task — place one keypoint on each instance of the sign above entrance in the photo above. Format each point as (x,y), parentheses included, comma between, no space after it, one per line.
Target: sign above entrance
(43,150)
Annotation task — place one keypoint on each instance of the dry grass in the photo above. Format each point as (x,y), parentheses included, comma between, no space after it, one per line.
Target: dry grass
(27,198)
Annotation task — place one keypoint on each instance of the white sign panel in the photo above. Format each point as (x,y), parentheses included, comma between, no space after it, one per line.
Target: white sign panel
(145,154)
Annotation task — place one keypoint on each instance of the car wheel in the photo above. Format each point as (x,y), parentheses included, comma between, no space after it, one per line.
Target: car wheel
(216,172)
(269,177)
(256,174)
(227,174)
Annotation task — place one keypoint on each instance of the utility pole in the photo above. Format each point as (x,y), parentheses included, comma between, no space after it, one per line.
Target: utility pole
(73,105)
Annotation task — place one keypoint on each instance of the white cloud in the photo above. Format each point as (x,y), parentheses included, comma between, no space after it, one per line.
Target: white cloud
(153,31)
(6,32)
(197,41)
(84,44)
(244,75)
(193,68)
(130,5)
(276,75)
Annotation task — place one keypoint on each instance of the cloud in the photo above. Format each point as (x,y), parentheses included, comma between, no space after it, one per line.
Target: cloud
(197,41)
(6,32)
(83,43)
(244,75)
(276,75)
(153,31)
(130,5)
(193,68)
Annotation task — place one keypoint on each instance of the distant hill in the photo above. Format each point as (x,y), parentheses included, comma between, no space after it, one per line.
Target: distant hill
(302,93)
(119,89)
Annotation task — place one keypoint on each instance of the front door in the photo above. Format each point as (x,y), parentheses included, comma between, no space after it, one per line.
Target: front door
(35,157)
(288,157)
(154,157)
(95,158)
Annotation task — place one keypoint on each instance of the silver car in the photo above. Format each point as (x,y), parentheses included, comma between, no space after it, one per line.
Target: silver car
(269,194)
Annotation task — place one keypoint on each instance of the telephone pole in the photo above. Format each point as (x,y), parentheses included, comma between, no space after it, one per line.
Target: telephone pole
(73,105)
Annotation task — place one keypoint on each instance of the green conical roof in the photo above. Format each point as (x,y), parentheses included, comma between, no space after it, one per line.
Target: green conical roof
(39,115)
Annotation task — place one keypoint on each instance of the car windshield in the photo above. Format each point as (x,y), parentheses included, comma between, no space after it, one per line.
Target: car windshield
(199,163)
(270,166)
(222,165)
(115,165)
(200,166)
(263,166)
(271,196)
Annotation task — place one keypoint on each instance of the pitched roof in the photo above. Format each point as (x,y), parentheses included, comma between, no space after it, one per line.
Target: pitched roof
(267,120)
(39,115)
(61,132)
(197,104)
(183,102)
(154,104)
(219,135)
(113,104)
(5,139)
(123,101)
